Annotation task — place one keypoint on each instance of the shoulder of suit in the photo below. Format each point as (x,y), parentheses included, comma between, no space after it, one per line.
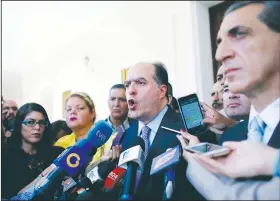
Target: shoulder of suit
(172,113)
(233,132)
(131,121)
(239,126)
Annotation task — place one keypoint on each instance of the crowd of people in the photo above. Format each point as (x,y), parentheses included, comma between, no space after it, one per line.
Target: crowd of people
(244,117)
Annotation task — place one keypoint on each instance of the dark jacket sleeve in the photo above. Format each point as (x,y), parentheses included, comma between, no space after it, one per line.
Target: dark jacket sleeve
(7,176)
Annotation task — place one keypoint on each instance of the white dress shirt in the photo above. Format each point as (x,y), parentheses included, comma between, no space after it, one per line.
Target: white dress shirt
(270,116)
(153,125)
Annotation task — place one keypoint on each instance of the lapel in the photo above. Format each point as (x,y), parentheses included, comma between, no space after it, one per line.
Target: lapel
(165,139)
(275,138)
(129,135)
(243,130)
(131,121)
(236,133)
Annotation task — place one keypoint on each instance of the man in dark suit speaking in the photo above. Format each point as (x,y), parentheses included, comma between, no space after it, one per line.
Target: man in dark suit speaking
(146,93)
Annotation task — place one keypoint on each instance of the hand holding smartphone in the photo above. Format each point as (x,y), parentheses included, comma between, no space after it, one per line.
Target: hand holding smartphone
(192,114)
(208,149)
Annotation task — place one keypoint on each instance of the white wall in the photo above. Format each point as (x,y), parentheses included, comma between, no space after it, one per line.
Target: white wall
(175,33)
(11,86)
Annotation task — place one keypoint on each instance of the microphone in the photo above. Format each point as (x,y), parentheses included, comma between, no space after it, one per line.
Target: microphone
(94,178)
(100,172)
(114,179)
(70,161)
(165,162)
(130,159)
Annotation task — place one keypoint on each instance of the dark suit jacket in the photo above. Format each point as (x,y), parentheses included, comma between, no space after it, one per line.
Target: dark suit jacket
(239,132)
(152,187)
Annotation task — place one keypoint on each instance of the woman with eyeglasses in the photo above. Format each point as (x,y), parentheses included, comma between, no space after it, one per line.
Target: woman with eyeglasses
(29,150)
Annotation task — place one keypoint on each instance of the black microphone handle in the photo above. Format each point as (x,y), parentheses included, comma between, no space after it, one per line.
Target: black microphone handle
(130,179)
(58,193)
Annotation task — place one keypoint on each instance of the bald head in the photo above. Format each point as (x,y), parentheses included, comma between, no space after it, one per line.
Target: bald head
(217,102)
(9,110)
(146,90)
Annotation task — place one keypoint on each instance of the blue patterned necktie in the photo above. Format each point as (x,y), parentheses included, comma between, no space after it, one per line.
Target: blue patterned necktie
(145,133)
(256,130)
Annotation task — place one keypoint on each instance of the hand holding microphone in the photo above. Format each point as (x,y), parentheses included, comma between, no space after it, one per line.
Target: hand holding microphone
(93,179)
(113,154)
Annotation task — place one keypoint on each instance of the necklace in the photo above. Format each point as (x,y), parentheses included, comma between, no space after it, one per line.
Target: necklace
(34,163)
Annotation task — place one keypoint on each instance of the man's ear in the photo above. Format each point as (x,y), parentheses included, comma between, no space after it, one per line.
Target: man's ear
(163,91)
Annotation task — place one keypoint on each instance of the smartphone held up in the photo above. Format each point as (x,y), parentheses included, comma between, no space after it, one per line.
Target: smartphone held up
(192,114)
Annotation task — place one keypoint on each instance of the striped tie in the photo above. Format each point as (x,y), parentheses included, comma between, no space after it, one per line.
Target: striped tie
(256,130)
(145,135)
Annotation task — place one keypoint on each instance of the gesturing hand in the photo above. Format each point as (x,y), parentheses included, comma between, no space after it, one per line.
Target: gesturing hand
(112,154)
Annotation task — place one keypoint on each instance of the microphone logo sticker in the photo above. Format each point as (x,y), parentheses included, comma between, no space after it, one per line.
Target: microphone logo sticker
(125,154)
(73,163)
(166,159)
(68,183)
(113,176)
(101,136)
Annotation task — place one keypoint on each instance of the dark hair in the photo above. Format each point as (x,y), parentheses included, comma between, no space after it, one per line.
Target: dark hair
(270,15)
(161,76)
(60,125)
(118,86)
(174,103)
(169,89)
(45,143)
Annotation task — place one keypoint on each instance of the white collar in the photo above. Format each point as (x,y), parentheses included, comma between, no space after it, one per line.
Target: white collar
(270,115)
(154,124)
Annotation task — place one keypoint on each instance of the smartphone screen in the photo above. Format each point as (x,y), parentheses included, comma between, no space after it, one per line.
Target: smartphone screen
(191,113)
(201,149)
(206,148)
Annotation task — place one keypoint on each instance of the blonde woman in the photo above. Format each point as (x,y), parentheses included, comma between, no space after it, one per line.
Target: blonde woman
(80,117)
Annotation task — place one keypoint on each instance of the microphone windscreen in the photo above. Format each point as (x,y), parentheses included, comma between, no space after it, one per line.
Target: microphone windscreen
(114,178)
(104,168)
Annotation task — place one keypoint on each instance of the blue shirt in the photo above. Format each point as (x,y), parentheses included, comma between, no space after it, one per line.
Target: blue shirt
(153,125)
(270,116)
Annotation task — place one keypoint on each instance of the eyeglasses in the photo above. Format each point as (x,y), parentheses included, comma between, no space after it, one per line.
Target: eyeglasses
(33,122)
